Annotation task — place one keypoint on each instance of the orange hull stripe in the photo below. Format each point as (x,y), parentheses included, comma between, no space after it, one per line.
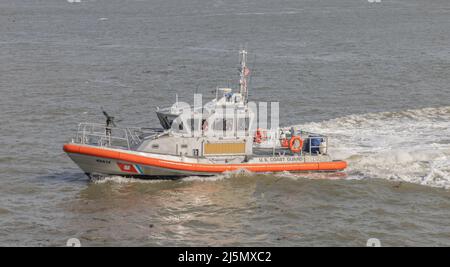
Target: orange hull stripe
(200,167)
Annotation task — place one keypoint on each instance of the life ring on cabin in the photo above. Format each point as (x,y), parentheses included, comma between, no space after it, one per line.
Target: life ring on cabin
(260,136)
(296,144)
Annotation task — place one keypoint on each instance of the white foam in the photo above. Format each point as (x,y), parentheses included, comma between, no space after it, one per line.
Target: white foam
(312,175)
(219,177)
(214,178)
(123,180)
(411,146)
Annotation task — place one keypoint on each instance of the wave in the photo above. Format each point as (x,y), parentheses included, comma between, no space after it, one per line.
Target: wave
(124,180)
(411,146)
(219,177)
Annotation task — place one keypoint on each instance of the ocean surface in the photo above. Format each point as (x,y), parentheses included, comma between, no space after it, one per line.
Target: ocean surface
(374,76)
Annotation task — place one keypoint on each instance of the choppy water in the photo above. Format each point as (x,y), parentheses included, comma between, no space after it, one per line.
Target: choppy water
(374,76)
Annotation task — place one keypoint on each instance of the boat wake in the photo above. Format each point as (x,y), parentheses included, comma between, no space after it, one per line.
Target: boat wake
(411,146)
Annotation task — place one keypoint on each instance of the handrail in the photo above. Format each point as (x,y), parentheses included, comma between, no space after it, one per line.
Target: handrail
(104,136)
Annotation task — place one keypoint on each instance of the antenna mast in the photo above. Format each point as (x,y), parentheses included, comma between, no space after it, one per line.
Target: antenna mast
(244,74)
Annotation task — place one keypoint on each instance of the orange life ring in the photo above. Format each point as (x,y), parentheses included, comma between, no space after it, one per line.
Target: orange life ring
(296,144)
(260,135)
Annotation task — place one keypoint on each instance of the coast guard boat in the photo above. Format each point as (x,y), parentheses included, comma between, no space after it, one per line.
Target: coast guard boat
(203,140)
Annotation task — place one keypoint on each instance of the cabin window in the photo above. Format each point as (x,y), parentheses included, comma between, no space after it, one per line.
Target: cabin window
(194,123)
(179,125)
(225,125)
(218,125)
(155,146)
(228,125)
(243,124)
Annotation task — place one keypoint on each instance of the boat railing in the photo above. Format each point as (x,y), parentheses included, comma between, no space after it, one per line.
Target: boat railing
(313,143)
(101,135)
